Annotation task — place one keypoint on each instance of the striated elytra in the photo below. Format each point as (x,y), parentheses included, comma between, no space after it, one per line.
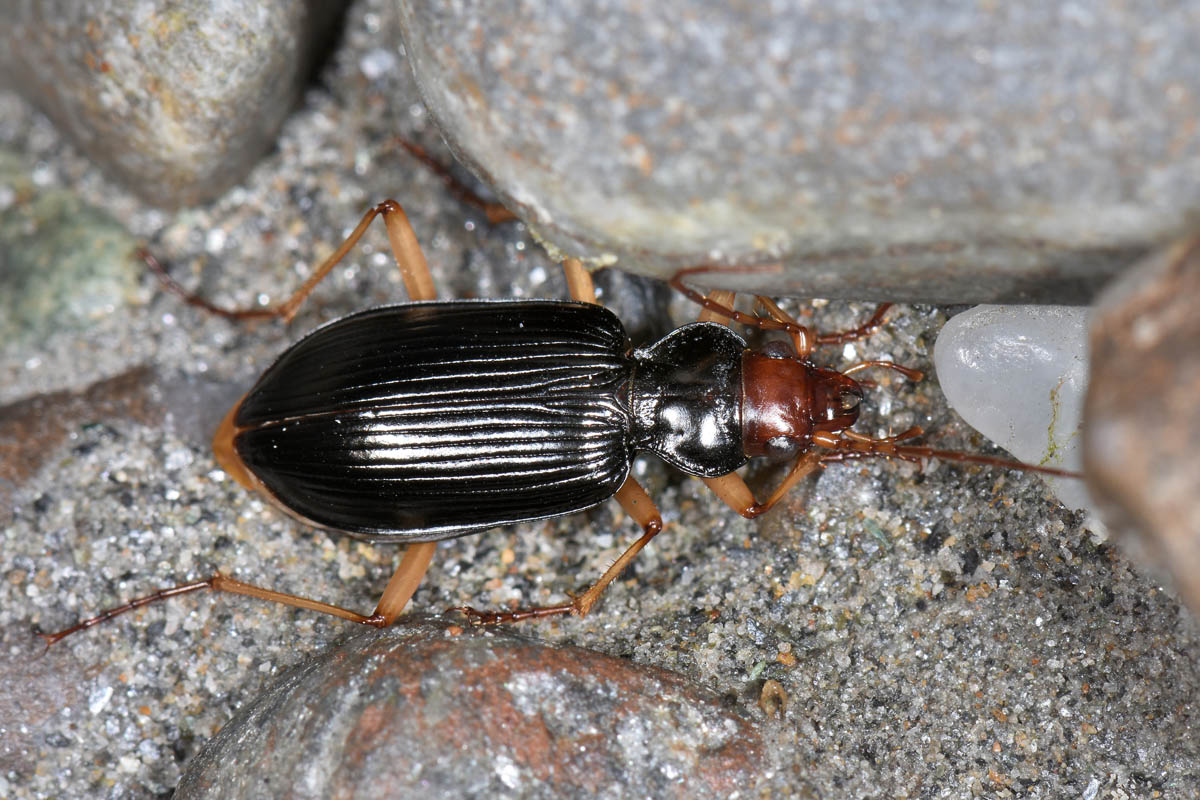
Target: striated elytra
(430,420)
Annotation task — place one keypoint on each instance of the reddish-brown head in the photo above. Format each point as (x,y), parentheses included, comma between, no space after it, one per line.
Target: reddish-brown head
(785,400)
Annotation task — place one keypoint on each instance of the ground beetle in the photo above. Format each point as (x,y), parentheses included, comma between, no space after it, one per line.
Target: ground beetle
(425,421)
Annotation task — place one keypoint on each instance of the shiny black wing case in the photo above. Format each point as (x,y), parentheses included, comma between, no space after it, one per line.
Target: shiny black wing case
(427,421)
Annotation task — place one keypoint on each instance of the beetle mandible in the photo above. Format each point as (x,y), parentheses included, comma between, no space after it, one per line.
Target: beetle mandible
(430,420)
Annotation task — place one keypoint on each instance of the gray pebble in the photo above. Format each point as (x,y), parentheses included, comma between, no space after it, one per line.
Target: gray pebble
(946,153)
(176,99)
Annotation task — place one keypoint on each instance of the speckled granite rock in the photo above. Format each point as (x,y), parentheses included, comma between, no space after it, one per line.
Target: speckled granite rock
(175,98)
(433,709)
(1142,437)
(948,153)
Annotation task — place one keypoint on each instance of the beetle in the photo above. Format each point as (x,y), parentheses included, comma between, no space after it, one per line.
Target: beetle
(429,420)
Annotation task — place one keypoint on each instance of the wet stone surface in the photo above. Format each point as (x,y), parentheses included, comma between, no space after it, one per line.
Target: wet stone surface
(175,99)
(1142,440)
(946,630)
(433,708)
(947,153)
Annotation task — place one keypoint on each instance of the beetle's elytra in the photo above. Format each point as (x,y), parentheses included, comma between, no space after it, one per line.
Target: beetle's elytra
(419,422)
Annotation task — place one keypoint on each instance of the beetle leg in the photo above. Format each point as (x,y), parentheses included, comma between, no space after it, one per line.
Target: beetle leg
(495,212)
(723,311)
(579,281)
(405,249)
(418,281)
(217,583)
(583,289)
(861,332)
(803,337)
(737,495)
(631,496)
(413,268)
(721,298)
(404,582)
(908,372)
(637,504)
(806,340)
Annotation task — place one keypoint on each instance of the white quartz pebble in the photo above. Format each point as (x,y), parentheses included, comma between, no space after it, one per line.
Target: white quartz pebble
(1018,375)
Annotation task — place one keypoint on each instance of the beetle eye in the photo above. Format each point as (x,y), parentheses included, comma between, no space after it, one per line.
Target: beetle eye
(780,448)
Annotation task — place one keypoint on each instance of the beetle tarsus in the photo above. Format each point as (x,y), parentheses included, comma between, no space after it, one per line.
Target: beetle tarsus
(501,617)
(495,212)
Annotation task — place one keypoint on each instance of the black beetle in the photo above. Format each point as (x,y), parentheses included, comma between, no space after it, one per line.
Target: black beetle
(425,421)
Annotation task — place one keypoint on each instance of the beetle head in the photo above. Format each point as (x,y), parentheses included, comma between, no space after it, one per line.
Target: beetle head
(785,400)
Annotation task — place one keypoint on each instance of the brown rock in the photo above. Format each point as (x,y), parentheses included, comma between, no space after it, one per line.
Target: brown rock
(1142,415)
(434,708)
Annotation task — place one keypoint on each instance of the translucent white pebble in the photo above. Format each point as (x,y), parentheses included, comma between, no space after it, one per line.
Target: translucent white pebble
(1018,375)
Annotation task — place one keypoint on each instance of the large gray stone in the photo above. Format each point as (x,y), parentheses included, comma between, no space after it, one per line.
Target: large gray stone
(945,152)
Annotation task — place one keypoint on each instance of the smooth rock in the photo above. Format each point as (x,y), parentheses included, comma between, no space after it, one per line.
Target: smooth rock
(63,263)
(947,153)
(436,709)
(1018,374)
(176,99)
(1142,436)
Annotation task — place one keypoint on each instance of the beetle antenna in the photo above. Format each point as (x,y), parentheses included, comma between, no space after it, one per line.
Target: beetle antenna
(913,375)
(850,446)
(919,451)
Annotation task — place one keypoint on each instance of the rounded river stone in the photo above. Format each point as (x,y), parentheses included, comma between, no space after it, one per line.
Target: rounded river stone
(448,711)
(939,153)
